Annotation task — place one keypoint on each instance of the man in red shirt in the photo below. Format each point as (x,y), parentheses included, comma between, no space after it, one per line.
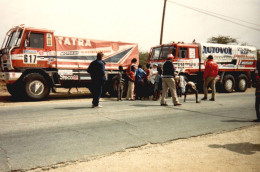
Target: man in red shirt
(209,77)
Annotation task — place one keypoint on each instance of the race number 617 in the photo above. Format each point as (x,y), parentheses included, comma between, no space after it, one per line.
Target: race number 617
(30,59)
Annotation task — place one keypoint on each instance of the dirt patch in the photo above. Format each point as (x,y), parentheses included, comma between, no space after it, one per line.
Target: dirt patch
(232,151)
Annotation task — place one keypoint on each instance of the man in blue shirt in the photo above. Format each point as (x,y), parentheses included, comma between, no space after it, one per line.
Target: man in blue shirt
(97,73)
(139,75)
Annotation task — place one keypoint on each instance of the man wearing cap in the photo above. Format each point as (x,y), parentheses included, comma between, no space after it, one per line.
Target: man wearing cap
(97,73)
(168,82)
(209,77)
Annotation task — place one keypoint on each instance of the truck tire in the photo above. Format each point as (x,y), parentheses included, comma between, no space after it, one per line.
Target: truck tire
(35,86)
(241,84)
(228,83)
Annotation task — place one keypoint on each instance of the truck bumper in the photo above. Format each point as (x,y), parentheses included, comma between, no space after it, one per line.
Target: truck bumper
(10,77)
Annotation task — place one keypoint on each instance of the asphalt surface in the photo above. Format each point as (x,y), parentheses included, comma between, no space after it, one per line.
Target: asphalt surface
(42,135)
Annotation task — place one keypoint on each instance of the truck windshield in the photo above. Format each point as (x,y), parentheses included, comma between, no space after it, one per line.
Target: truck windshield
(14,39)
(161,52)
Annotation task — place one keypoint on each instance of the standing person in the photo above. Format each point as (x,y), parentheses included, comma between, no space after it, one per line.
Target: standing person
(154,72)
(131,81)
(257,96)
(168,82)
(119,83)
(97,73)
(133,63)
(139,76)
(157,85)
(209,77)
(148,87)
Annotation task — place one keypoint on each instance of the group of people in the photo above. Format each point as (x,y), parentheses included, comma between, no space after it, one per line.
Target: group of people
(153,81)
(142,83)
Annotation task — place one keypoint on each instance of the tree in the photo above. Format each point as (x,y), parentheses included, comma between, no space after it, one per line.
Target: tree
(143,58)
(222,40)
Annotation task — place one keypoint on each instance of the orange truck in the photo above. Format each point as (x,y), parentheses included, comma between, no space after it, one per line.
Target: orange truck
(237,64)
(33,61)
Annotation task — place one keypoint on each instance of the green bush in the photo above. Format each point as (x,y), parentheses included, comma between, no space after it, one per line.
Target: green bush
(143,58)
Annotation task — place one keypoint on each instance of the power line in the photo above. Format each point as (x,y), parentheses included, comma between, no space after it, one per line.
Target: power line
(216,15)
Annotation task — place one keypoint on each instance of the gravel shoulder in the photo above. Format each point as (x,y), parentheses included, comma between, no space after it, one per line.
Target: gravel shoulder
(233,151)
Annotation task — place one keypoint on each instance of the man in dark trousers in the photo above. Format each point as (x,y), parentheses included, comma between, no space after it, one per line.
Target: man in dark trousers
(97,73)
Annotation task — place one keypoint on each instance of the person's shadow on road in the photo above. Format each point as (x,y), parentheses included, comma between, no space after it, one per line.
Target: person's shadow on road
(242,148)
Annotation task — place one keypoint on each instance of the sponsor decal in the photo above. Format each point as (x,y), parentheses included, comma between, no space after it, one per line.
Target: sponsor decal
(69,53)
(244,50)
(30,51)
(74,41)
(69,77)
(115,47)
(50,60)
(41,52)
(49,39)
(192,53)
(246,63)
(228,65)
(221,50)
(65,72)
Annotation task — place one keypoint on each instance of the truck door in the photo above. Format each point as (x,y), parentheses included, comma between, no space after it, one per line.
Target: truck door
(38,51)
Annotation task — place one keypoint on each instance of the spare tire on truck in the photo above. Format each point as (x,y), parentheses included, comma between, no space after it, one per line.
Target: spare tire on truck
(241,84)
(35,86)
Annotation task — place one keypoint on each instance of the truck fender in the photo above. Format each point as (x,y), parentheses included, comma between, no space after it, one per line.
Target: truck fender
(47,75)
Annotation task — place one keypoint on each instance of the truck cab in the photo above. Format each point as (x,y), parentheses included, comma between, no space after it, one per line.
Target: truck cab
(185,56)
(28,53)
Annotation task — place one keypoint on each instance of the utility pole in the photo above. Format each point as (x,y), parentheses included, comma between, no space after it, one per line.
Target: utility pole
(163,21)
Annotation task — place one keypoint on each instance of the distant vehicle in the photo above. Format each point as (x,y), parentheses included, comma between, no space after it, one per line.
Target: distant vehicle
(35,60)
(237,64)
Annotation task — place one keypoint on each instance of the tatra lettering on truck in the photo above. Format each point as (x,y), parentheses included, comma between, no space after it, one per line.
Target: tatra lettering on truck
(33,58)
(237,64)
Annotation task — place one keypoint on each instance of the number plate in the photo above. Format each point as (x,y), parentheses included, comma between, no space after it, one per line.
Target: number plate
(30,59)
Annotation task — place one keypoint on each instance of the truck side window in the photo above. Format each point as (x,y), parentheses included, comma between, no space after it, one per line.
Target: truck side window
(182,53)
(165,51)
(155,53)
(174,51)
(36,40)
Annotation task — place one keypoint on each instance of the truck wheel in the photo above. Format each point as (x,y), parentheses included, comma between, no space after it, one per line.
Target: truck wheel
(241,85)
(36,86)
(228,83)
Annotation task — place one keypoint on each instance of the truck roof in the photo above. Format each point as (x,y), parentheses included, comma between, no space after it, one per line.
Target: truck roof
(173,44)
(22,26)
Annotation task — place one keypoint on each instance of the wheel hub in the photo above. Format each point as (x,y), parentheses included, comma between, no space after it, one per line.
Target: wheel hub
(36,87)
(242,84)
(228,84)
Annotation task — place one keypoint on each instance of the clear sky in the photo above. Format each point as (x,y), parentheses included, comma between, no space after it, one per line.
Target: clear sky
(136,21)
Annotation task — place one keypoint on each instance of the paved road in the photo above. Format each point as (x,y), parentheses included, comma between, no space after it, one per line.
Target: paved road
(36,135)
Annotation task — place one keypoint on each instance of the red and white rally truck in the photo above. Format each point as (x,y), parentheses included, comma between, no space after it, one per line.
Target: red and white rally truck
(35,60)
(237,64)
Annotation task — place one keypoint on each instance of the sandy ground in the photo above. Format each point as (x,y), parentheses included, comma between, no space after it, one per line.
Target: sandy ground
(231,151)
(234,151)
